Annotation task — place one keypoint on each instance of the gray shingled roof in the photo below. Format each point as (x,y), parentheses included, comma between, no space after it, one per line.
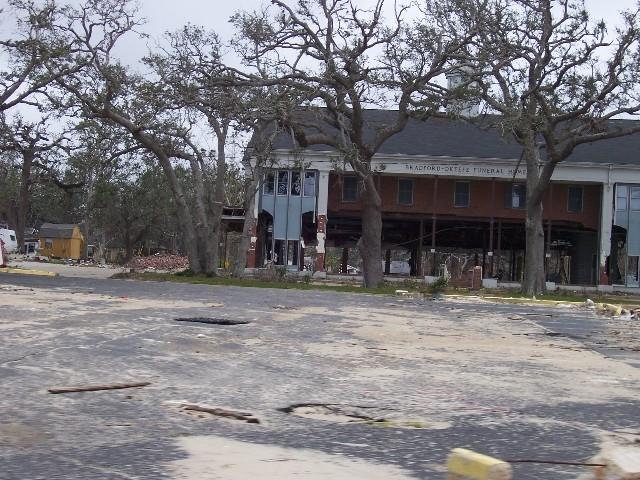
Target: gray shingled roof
(445,137)
(56,230)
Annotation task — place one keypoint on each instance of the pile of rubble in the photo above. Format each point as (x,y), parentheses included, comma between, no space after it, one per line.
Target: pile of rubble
(159,261)
(613,310)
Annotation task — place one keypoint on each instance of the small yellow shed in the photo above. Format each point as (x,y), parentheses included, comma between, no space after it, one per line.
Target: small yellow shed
(61,240)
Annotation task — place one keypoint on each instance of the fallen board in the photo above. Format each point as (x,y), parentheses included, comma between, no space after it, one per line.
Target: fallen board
(222,412)
(95,388)
(212,321)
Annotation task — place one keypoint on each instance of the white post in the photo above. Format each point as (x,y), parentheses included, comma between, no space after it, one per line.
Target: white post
(606,223)
(321,231)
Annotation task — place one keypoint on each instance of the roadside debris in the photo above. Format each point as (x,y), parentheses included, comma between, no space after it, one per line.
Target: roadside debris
(621,459)
(158,262)
(284,307)
(613,310)
(221,412)
(94,388)
(347,414)
(213,321)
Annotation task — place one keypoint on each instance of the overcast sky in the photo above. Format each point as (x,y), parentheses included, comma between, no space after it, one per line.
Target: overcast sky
(164,15)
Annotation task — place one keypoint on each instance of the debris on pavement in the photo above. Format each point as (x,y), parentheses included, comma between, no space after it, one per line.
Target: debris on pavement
(94,388)
(284,307)
(213,321)
(221,412)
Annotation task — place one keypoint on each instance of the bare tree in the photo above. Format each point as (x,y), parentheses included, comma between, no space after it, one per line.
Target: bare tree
(32,41)
(108,91)
(190,70)
(557,79)
(34,148)
(344,59)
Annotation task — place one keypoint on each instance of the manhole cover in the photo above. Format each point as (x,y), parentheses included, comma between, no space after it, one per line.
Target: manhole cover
(212,321)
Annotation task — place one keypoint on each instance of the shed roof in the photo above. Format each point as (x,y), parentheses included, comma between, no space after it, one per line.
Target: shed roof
(57,230)
(441,136)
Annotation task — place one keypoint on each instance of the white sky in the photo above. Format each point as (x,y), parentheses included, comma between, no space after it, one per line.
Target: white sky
(169,15)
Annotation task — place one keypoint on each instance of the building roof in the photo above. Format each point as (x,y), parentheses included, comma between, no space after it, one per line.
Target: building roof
(56,230)
(440,136)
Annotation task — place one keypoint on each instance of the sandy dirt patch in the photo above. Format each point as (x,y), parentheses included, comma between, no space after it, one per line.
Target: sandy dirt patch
(216,458)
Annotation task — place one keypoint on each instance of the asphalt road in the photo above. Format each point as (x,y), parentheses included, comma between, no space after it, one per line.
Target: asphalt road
(90,331)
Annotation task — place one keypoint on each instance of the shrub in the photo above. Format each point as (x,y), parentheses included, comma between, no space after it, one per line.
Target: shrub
(438,286)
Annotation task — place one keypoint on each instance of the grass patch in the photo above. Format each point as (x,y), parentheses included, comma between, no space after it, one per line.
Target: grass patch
(284,284)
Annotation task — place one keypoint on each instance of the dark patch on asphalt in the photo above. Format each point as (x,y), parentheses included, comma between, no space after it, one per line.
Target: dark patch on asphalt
(213,321)
(330,412)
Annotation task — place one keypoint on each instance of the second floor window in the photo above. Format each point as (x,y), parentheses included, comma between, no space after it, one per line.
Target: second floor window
(283,182)
(515,196)
(635,199)
(621,197)
(405,191)
(349,188)
(462,194)
(309,184)
(296,184)
(269,183)
(574,199)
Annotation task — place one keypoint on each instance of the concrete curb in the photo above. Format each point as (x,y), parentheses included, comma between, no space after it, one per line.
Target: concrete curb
(21,271)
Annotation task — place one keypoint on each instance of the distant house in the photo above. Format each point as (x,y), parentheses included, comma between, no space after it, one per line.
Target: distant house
(61,240)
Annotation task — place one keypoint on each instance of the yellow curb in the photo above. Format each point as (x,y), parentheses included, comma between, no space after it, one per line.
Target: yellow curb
(25,271)
(466,464)
(517,299)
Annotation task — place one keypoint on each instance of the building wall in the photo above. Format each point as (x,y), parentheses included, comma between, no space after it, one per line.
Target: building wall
(480,200)
(63,248)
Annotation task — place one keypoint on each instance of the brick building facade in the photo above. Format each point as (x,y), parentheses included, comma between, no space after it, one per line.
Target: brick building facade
(453,190)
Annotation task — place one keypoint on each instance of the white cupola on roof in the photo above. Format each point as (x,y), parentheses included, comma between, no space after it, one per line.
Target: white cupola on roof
(462,104)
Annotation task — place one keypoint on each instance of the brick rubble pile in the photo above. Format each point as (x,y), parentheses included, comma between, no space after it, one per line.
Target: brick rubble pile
(159,262)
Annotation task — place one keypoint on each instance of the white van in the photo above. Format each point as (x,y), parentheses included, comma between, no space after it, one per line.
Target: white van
(9,239)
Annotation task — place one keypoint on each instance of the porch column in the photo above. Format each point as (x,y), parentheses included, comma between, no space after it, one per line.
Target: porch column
(321,231)
(489,271)
(434,267)
(344,264)
(419,268)
(253,232)
(606,224)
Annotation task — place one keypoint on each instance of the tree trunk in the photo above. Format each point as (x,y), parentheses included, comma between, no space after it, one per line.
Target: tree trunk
(202,228)
(251,186)
(23,198)
(218,200)
(183,213)
(534,277)
(370,243)
(86,217)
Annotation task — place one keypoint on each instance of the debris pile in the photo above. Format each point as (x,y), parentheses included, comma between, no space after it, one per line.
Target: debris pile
(613,310)
(159,261)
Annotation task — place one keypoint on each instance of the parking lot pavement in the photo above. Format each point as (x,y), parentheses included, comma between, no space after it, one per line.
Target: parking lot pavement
(69,270)
(344,385)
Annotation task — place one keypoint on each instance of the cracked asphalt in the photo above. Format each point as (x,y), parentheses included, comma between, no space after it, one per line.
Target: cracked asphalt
(473,374)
